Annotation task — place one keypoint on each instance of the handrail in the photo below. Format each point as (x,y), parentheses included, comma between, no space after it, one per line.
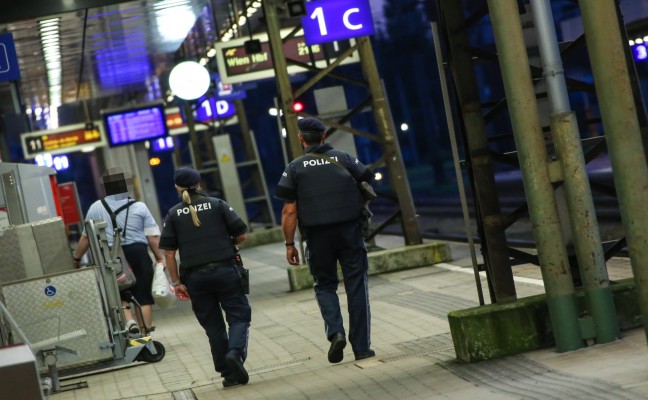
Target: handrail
(14,324)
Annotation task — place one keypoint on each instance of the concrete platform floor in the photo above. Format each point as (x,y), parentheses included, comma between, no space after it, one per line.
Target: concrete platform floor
(415,356)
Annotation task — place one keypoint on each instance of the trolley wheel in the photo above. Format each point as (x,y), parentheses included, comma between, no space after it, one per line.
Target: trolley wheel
(146,355)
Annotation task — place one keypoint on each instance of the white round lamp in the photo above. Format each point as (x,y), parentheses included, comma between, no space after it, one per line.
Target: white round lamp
(189,80)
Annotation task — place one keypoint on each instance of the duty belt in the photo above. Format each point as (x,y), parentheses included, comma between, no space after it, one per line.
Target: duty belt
(210,266)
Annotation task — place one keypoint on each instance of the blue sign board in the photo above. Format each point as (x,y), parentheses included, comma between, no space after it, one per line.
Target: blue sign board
(211,109)
(330,20)
(162,144)
(640,52)
(9,70)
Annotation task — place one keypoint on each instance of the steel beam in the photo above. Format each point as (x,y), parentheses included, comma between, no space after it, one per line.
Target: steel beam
(284,88)
(496,255)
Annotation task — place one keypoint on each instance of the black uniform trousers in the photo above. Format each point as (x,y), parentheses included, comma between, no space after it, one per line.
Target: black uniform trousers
(343,242)
(213,290)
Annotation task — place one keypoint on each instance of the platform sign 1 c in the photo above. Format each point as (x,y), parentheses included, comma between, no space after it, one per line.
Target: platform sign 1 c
(330,20)
(9,70)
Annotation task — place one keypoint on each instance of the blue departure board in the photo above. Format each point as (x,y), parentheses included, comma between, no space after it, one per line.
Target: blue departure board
(134,125)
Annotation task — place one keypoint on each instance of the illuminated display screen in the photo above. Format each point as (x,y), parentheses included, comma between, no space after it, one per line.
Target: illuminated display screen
(238,62)
(60,141)
(235,65)
(65,139)
(135,125)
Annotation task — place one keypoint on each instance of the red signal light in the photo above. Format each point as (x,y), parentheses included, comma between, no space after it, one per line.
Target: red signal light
(298,106)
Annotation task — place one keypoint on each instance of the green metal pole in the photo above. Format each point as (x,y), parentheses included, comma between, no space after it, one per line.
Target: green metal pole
(532,154)
(393,157)
(281,75)
(622,133)
(569,151)
(496,248)
(582,215)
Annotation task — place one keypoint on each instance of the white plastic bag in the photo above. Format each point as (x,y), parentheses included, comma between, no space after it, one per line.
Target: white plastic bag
(162,291)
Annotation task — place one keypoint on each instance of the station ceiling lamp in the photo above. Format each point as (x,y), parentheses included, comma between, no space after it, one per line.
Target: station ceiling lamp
(189,80)
(296,8)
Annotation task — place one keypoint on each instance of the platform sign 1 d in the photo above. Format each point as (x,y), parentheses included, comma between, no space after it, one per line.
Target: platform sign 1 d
(9,70)
(330,20)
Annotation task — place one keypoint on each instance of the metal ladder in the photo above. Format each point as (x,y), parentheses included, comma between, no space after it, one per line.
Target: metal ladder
(240,182)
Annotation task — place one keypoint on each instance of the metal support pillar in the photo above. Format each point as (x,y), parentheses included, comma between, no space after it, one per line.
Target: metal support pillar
(281,75)
(587,239)
(392,155)
(494,247)
(532,155)
(194,145)
(622,132)
(582,215)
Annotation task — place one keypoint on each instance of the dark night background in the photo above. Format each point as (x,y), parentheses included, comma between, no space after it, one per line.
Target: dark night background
(405,55)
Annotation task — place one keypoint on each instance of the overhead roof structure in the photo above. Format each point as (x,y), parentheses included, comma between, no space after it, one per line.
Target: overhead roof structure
(72,51)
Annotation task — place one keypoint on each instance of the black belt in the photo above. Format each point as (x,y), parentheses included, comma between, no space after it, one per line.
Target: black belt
(210,266)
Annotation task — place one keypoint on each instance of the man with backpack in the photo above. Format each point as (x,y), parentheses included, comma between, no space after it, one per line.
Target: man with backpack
(138,231)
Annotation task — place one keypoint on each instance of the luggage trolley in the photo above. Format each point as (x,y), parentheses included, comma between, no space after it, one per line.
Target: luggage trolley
(73,321)
(131,347)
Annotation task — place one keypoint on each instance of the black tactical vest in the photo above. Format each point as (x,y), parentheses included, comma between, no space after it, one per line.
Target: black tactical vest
(326,193)
(211,242)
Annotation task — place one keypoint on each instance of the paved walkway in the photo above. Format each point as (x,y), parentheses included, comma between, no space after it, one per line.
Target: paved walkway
(287,352)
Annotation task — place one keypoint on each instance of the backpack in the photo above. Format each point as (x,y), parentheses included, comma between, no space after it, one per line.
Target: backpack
(125,276)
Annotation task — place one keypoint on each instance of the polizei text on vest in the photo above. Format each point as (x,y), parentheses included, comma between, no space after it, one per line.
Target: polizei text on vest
(199,207)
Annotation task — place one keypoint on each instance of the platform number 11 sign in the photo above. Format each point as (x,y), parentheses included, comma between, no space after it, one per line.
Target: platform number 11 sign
(330,20)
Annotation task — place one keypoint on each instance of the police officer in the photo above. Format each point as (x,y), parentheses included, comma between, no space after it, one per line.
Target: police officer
(205,231)
(321,196)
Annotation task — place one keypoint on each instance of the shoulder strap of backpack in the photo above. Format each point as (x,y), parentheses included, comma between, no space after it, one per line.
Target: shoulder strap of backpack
(124,207)
(113,214)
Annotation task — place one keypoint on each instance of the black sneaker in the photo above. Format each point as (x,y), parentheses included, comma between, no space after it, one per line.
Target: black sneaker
(365,354)
(235,364)
(228,383)
(336,351)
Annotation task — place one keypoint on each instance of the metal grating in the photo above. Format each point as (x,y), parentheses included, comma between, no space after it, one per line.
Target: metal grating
(187,394)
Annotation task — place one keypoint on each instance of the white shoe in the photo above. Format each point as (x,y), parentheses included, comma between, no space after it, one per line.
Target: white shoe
(132,327)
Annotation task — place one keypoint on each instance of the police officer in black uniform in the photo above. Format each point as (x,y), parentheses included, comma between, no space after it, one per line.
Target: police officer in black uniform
(205,230)
(321,195)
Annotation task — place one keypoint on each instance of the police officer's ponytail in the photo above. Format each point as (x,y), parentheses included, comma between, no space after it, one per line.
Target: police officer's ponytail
(187,179)
(187,200)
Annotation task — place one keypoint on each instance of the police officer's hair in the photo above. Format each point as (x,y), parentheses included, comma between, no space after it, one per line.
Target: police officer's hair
(312,137)
(187,200)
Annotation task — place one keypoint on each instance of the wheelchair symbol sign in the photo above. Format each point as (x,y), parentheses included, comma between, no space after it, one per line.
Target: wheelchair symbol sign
(50,291)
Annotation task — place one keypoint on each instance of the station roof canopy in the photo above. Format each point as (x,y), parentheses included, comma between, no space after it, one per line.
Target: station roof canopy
(84,49)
